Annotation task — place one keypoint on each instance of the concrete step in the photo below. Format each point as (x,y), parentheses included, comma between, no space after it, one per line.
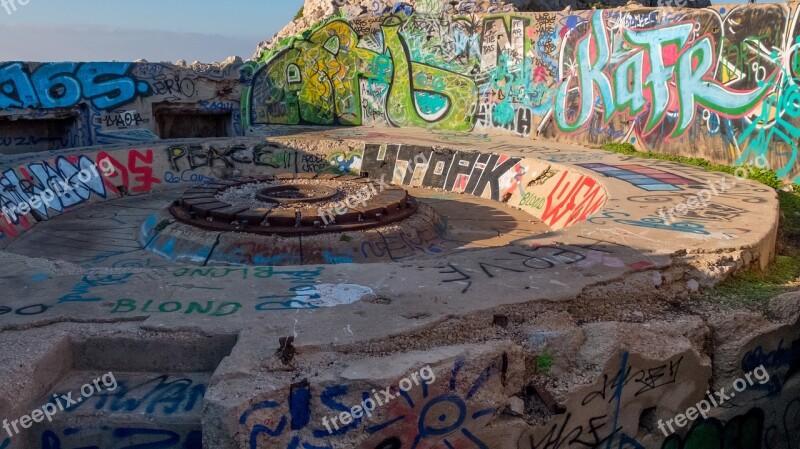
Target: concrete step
(122,410)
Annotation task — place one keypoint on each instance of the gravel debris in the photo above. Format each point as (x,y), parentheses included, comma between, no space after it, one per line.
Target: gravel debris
(245,195)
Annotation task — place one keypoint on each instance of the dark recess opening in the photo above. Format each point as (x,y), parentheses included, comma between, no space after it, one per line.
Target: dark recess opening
(46,134)
(182,125)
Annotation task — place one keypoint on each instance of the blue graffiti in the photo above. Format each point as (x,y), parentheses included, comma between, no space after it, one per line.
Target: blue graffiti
(331,258)
(186,176)
(82,288)
(132,437)
(403,7)
(625,440)
(345,166)
(167,395)
(302,299)
(467,43)
(650,222)
(62,179)
(784,357)
(443,417)
(299,417)
(105,85)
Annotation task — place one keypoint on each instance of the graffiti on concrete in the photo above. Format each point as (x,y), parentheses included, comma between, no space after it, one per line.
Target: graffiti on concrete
(59,85)
(62,176)
(486,175)
(320,81)
(656,80)
(124,438)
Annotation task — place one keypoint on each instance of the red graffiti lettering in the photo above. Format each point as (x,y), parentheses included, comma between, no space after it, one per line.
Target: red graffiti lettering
(145,178)
(575,199)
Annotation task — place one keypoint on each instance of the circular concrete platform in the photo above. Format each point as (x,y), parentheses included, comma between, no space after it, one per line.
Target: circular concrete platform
(504,225)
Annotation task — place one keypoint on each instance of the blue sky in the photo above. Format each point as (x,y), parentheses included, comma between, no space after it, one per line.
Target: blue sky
(124,30)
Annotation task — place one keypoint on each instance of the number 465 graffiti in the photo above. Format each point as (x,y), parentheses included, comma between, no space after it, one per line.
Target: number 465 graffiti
(59,85)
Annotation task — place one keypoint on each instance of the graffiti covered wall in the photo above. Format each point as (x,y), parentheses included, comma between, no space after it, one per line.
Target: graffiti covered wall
(75,180)
(719,83)
(66,105)
(479,401)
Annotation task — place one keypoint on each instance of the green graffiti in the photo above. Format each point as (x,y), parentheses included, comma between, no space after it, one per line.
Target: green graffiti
(316,80)
(319,81)
(421,95)
(768,128)
(531,200)
(508,80)
(210,308)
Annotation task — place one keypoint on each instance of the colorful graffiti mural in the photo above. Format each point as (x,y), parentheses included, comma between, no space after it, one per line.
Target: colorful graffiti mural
(56,185)
(62,179)
(656,70)
(320,80)
(719,82)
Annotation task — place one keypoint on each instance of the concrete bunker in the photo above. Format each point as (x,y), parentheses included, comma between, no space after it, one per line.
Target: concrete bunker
(541,282)
(514,233)
(182,121)
(49,132)
(147,386)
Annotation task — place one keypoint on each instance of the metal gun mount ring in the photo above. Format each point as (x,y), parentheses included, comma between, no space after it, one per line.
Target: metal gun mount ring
(283,213)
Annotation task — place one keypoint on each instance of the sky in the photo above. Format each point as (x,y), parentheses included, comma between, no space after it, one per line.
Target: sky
(125,30)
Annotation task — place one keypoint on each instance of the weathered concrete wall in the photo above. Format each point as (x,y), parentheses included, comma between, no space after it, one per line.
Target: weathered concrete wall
(603,384)
(66,105)
(610,385)
(559,375)
(718,83)
(132,171)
